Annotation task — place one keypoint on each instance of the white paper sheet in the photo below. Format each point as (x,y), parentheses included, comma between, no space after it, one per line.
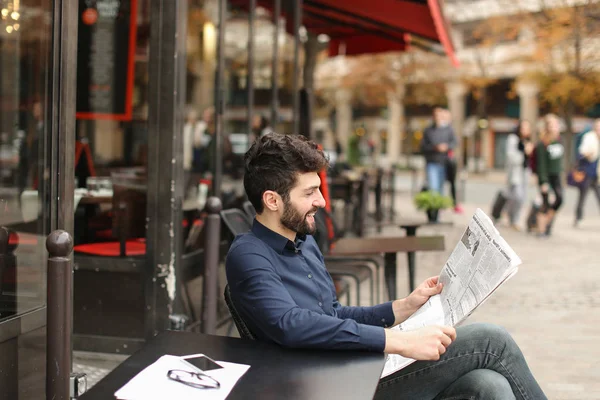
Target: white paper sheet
(152,383)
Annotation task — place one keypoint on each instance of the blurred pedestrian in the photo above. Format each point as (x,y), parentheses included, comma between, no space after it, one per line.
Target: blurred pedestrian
(519,149)
(260,126)
(588,159)
(452,167)
(549,154)
(438,139)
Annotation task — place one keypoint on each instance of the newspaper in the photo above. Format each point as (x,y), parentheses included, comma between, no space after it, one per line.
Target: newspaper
(479,264)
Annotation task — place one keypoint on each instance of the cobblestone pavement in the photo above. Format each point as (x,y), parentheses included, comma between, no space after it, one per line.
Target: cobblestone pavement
(552,305)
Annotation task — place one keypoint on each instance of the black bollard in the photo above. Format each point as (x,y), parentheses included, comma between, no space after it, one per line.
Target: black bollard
(212,243)
(59,315)
(379,199)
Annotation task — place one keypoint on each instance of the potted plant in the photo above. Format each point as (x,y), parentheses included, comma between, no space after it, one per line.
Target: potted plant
(432,202)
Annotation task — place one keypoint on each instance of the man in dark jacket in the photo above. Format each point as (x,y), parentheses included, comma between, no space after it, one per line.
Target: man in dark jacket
(438,139)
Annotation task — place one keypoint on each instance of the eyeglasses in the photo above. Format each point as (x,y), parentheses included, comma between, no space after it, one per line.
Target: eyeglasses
(197,380)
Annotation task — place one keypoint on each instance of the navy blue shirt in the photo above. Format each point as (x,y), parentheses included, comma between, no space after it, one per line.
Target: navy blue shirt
(284,293)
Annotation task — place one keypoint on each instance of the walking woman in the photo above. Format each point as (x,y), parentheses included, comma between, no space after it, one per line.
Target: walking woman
(519,149)
(589,153)
(549,161)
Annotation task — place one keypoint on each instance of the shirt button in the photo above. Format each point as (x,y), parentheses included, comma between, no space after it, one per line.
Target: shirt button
(320,304)
(309,276)
(383,320)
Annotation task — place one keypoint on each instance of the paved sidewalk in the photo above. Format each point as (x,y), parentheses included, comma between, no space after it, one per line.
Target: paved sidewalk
(552,305)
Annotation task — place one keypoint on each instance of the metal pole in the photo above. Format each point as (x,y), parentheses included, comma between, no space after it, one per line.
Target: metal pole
(392,193)
(250,80)
(275,66)
(379,199)
(296,94)
(211,265)
(59,315)
(219,100)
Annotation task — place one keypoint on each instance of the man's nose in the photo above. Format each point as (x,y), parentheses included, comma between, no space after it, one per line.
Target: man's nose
(320,201)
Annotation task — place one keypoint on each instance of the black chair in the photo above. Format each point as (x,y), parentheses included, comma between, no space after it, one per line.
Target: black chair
(353,267)
(237,222)
(249,209)
(325,244)
(239,322)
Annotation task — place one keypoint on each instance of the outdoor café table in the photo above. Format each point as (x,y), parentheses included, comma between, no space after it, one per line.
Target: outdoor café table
(390,247)
(275,372)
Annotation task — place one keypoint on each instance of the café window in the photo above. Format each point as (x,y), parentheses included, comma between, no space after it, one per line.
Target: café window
(25,54)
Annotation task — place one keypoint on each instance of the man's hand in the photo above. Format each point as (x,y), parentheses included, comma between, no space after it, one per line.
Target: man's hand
(442,147)
(427,343)
(544,187)
(404,308)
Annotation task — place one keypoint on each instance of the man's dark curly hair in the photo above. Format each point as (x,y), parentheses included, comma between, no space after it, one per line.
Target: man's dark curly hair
(274,161)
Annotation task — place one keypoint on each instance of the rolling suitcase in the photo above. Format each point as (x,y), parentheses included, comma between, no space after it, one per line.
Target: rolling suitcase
(499,203)
(532,224)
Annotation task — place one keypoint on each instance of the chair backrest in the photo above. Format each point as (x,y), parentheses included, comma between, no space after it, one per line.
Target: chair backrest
(249,209)
(133,199)
(239,322)
(236,221)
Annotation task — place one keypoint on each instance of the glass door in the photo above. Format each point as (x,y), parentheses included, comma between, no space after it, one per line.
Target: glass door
(32,99)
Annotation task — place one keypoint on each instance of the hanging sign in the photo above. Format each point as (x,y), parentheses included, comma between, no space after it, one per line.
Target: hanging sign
(105,59)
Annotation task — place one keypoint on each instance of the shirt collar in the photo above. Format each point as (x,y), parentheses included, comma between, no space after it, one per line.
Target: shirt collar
(276,241)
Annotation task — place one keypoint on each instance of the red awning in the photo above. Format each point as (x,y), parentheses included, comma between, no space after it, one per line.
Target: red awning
(364,44)
(370,26)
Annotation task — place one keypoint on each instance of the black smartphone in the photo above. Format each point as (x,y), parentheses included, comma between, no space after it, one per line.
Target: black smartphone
(201,362)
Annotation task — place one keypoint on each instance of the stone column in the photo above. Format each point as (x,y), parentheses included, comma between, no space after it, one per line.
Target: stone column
(529,106)
(396,127)
(455,93)
(343,117)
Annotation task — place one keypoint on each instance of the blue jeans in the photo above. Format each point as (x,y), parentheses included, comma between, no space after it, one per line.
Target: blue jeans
(436,176)
(483,363)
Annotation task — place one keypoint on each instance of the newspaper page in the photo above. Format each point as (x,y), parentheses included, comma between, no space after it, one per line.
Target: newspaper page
(479,264)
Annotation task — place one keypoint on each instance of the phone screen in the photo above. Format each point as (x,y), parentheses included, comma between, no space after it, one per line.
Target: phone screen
(203,363)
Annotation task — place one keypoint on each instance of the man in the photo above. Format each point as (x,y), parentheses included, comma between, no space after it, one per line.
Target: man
(282,290)
(451,167)
(438,139)
(589,153)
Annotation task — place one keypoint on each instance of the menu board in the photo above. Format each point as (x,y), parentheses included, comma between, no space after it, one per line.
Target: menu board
(105,59)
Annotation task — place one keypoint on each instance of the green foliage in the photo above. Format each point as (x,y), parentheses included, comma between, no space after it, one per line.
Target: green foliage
(431,200)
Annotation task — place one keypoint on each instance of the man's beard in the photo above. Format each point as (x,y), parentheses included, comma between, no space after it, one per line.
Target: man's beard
(296,222)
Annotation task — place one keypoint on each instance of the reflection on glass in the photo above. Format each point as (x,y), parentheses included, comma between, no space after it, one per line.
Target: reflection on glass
(25,39)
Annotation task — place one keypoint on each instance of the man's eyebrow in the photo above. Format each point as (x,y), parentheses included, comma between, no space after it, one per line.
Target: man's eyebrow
(308,189)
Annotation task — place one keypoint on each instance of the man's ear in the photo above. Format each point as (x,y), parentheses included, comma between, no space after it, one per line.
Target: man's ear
(271,200)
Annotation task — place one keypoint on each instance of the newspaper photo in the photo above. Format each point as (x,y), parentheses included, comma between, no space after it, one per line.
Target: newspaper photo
(478,265)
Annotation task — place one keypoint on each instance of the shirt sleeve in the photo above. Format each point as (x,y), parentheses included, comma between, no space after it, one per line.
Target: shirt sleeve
(379,315)
(513,155)
(261,297)
(427,145)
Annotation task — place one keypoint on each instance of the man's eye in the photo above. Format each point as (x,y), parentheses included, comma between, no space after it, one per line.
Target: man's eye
(310,193)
